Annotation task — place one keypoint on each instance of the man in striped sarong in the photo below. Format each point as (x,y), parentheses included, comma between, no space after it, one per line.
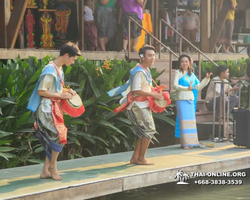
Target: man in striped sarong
(135,104)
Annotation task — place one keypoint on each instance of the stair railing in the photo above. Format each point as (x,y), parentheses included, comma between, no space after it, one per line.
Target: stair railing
(180,46)
(162,44)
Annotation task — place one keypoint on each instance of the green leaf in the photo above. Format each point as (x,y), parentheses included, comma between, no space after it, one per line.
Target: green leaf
(100,139)
(116,139)
(109,125)
(90,153)
(93,85)
(108,150)
(38,150)
(23,118)
(68,70)
(164,118)
(85,135)
(6,101)
(6,155)
(4,134)
(6,142)
(5,77)
(124,120)
(35,76)
(76,141)
(6,149)
(36,161)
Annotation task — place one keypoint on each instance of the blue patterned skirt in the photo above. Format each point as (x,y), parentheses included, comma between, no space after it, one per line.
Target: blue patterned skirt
(187,123)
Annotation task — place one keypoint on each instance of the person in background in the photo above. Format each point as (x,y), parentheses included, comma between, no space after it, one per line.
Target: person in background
(133,9)
(89,26)
(227,33)
(222,75)
(105,21)
(190,27)
(186,85)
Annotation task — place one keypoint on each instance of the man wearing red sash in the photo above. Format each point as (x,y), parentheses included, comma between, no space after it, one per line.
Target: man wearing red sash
(44,102)
(136,105)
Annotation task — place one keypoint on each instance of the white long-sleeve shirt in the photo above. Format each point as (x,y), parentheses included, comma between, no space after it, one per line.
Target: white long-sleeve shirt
(182,91)
(210,90)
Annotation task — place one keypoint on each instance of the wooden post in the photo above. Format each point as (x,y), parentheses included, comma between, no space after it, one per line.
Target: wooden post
(4,20)
(81,24)
(15,22)
(212,13)
(218,25)
(153,14)
(205,14)
(157,20)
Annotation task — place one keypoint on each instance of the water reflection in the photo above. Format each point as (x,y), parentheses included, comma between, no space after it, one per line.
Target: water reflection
(172,191)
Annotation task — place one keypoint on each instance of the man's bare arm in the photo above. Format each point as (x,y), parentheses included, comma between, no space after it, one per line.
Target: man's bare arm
(233,6)
(140,1)
(48,94)
(104,2)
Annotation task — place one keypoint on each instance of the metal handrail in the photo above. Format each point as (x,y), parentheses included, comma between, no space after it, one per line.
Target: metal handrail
(150,34)
(161,20)
(162,44)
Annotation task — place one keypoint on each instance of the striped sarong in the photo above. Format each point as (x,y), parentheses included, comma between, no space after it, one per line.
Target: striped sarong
(187,127)
(47,133)
(142,122)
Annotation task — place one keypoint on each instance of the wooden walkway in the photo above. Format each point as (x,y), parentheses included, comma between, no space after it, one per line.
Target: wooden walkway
(103,175)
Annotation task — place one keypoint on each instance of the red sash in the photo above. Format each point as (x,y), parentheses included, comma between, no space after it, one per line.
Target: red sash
(58,120)
(57,114)
(130,99)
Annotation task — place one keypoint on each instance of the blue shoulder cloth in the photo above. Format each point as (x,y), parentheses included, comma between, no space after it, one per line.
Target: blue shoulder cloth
(121,89)
(185,80)
(34,100)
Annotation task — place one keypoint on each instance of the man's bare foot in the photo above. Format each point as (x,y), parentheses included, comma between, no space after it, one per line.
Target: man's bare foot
(186,147)
(133,160)
(45,174)
(143,162)
(55,174)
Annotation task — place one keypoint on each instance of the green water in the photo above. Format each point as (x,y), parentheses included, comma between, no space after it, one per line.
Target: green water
(172,191)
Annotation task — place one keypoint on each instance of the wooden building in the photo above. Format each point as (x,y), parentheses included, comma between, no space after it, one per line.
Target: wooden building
(211,20)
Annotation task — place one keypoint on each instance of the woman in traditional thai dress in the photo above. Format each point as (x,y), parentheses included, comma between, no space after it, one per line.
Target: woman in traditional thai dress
(186,85)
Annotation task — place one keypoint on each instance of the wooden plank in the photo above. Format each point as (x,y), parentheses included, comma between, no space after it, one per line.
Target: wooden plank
(15,22)
(218,26)
(204,25)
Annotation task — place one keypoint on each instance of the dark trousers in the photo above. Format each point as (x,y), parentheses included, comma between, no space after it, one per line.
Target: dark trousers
(233,102)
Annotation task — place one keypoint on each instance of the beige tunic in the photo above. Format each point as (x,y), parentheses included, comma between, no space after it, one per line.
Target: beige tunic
(47,82)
